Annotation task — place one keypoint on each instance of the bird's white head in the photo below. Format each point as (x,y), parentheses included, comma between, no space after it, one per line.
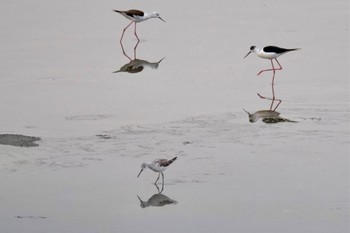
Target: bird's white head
(156,15)
(253,49)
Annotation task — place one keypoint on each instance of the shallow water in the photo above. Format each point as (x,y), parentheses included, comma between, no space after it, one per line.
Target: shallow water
(58,82)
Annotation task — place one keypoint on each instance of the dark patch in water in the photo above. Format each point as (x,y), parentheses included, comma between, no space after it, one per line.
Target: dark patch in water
(104,136)
(30,217)
(18,140)
(187,142)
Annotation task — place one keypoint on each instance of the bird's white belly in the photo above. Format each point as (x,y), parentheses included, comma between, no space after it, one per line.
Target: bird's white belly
(268,55)
(157,168)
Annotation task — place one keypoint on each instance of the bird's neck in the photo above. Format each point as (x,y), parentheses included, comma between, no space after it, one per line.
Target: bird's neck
(147,16)
(258,50)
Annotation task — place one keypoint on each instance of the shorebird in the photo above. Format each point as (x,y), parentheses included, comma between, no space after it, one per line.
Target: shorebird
(271,53)
(158,165)
(137,16)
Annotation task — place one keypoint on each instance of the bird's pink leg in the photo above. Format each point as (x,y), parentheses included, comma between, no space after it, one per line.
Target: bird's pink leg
(135,33)
(280,67)
(273,68)
(162,178)
(273,80)
(124,32)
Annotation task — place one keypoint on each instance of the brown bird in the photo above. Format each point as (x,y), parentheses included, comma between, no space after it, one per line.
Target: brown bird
(158,165)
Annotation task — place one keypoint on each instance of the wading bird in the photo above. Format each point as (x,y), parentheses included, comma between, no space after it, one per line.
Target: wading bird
(158,165)
(271,53)
(137,16)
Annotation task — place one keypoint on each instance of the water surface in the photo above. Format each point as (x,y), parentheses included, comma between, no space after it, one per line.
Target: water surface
(183,96)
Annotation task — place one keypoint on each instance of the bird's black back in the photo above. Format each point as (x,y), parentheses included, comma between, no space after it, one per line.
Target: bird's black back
(133,12)
(274,49)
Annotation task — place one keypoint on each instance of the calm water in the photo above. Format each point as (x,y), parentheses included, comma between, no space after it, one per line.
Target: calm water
(180,92)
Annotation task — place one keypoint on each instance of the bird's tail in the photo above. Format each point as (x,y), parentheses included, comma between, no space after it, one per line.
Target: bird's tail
(171,161)
(117,11)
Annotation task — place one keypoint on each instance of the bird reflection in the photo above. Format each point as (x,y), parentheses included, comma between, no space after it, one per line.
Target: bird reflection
(269,116)
(158,200)
(136,65)
(273,99)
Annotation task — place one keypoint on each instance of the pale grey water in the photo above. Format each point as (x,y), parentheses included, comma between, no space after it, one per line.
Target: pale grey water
(97,127)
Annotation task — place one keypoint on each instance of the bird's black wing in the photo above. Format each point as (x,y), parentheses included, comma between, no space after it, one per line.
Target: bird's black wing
(274,49)
(133,12)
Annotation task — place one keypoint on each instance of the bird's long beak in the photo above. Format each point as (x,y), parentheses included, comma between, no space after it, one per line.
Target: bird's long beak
(161,19)
(140,172)
(247,54)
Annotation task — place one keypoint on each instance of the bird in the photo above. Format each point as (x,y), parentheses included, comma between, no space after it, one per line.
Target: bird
(158,165)
(271,53)
(137,16)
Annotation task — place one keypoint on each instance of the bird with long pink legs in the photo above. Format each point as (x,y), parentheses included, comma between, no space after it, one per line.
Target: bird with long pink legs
(137,16)
(271,53)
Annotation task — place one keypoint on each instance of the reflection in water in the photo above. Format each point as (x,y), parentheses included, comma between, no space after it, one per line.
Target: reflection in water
(157,199)
(273,99)
(136,65)
(126,55)
(268,116)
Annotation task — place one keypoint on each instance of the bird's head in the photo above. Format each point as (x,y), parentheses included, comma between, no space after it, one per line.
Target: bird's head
(143,166)
(156,15)
(252,49)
